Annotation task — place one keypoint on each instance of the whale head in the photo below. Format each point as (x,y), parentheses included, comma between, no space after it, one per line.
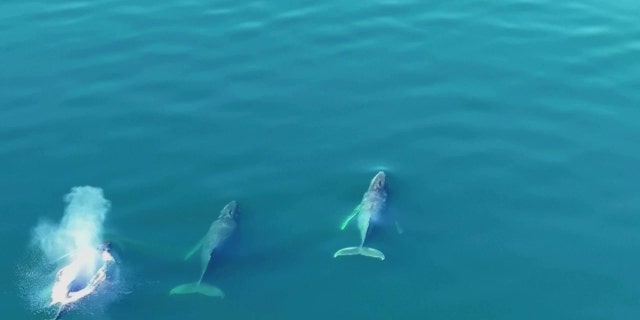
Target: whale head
(378,183)
(229,211)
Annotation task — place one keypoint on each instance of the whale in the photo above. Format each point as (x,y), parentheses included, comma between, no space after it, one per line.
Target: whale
(368,211)
(219,231)
(86,272)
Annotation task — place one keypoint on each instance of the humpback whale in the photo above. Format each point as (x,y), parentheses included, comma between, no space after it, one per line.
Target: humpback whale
(219,231)
(368,210)
(80,278)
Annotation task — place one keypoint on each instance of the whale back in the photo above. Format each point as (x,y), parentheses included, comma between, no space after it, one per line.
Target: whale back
(373,201)
(220,230)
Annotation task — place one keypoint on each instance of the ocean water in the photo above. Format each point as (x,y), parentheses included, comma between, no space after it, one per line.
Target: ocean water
(509,130)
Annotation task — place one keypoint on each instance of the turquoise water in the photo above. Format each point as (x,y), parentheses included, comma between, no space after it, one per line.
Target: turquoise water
(508,130)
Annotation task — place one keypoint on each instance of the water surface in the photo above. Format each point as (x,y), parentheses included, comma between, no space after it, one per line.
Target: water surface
(509,131)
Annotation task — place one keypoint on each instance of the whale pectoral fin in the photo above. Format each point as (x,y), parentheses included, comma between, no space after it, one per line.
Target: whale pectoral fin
(138,246)
(195,249)
(350,217)
(62,257)
(399,228)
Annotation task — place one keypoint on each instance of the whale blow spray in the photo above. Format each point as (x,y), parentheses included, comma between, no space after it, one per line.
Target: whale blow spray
(80,228)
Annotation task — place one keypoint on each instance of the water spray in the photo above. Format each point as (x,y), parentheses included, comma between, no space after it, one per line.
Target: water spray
(74,260)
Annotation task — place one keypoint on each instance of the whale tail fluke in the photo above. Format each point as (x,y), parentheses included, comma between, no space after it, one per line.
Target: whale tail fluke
(198,287)
(363,251)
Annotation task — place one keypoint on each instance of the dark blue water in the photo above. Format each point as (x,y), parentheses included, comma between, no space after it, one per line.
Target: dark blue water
(508,130)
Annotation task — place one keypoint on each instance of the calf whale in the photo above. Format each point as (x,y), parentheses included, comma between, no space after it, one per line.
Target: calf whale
(367,211)
(219,231)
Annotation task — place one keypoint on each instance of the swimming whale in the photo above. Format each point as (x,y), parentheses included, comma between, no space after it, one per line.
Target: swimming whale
(367,211)
(219,231)
(80,278)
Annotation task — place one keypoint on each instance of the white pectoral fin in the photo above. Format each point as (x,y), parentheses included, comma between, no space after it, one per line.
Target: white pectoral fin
(398,227)
(350,217)
(64,256)
(195,249)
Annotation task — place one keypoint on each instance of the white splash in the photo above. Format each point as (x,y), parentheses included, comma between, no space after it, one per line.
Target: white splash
(74,241)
